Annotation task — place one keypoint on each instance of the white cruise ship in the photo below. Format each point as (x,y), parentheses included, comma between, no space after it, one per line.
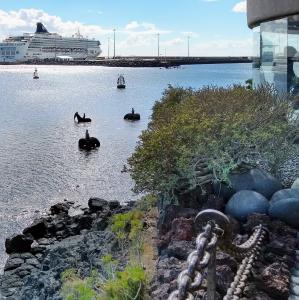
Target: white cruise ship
(43,45)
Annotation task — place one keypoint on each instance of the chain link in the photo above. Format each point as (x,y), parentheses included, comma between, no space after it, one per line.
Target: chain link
(191,279)
(239,283)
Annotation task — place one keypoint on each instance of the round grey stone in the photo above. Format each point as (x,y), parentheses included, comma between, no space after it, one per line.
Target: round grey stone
(286,210)
(285,194)
(256,180)
(244,203)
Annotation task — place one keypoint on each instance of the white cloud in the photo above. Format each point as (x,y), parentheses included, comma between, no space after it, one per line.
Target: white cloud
(142,28)
(240,7)
(224,47)
(173,42)
(191,34)
(132,25)
(24,20)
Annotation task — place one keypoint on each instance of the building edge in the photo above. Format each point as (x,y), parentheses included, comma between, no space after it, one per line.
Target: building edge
(259,11)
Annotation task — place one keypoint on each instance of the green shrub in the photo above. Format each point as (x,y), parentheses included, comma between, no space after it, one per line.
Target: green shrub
(75,288)
(195,136)
(125,285)
(145,203)
(127,228)
(128,284)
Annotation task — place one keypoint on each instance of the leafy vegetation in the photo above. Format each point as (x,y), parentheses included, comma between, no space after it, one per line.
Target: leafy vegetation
(197,135)
(111,284)
(129,284)
(125,285)
(127,228)
(146,203)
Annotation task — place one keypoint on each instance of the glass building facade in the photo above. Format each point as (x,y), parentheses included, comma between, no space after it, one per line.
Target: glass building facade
(276,54)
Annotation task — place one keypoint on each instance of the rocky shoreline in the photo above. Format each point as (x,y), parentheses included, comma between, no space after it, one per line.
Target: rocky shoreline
(66,239)
(55,243)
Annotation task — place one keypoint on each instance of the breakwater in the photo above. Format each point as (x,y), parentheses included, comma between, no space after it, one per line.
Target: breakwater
(144,61)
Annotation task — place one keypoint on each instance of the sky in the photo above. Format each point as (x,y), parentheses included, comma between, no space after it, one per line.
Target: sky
(215,27)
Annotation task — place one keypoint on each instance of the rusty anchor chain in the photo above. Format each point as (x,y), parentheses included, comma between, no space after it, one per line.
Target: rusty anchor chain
(215,227)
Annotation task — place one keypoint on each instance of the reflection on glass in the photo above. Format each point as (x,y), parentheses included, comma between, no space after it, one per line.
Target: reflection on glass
(276,54)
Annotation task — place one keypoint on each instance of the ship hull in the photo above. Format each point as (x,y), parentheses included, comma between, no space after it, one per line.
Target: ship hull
(43,45)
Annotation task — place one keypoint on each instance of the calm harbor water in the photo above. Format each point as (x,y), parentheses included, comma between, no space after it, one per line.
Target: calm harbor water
(39,158)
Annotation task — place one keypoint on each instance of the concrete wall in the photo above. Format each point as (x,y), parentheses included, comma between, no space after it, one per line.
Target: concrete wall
(265,10)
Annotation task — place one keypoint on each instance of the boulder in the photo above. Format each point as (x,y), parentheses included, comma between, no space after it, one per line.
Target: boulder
(255,180)
(97,204)
(179,249)
(285,194)
(171,212)
(114,204)
(295,185)
(182,229)
(245,203)
(276,281)
(38,229)
(286,210)
(13,263)
(18,243)
(59,208)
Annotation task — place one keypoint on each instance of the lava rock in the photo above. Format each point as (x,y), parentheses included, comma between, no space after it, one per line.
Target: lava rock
(275,281)
(255,180)
(114,204)
(18,243)
(83,221)
(223,258)
(13,263)
(169,213)
(100,224)
(285,194)
(59,208)
(182,229)
(286,210)
(38,229)
(97,204)
(244,203)
(179,249)
(224,278)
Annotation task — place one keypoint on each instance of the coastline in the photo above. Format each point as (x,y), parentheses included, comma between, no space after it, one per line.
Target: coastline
(140,62)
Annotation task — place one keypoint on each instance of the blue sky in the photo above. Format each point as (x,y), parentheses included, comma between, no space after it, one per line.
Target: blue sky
(215,27)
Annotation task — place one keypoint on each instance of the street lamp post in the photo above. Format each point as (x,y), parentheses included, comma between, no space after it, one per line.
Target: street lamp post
(108,47)
(114,43)
(158,35)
